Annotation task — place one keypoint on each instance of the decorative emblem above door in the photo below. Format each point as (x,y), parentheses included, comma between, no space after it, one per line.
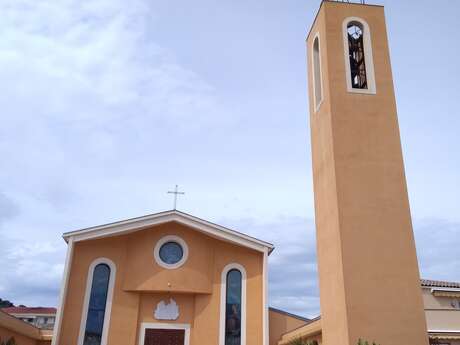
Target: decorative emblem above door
(167,311)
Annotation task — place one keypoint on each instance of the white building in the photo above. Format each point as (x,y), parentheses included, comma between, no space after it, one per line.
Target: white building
(39,317)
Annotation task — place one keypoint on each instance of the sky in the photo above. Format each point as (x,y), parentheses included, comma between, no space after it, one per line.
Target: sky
(107,104)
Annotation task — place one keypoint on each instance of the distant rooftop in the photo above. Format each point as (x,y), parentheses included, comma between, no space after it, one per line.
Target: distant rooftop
(29,310)
(439,283)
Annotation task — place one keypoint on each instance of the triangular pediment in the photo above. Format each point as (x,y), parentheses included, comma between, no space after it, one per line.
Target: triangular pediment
(141,223)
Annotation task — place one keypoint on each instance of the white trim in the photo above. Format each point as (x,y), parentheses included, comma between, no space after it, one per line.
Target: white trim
(136,224)
(443,331)
(368,57)
(63,294)
(170,238)
(108,305)
(223,293)
(265,306)
(25,315)
(440,289)
(313,65)
(151,325)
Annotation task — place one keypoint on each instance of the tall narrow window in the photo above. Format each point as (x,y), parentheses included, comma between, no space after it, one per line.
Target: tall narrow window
(356,55)
(317,81)
(97,303)
(233,306)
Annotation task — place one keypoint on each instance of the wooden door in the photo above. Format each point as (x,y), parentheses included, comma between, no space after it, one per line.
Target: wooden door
(164,337)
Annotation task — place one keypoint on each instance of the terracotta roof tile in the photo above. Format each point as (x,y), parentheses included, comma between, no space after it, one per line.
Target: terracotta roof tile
(29,310)
(439,283)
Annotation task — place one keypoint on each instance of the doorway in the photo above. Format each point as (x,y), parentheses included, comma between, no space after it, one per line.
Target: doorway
(164,337)
(164,334)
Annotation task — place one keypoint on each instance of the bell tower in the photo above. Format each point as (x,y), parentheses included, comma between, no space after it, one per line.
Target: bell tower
(368,269)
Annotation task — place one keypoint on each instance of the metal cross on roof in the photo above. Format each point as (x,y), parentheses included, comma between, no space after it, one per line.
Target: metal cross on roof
(176,193)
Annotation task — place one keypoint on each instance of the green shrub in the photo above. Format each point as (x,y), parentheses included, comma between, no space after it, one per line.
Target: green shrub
(11,341)
(300,341)
(362,342)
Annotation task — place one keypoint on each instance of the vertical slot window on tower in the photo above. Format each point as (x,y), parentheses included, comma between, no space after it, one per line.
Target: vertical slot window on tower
(357,58)
(317,80)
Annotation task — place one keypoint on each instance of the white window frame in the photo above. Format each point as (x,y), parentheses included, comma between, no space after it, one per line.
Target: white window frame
(313,66)
(166,239)
(108,305)
(157,325)
(368,57)
(223,302)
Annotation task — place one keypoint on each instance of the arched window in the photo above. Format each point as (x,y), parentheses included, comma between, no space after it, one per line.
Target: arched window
(97,303)
(317,79)
(358,56)
(233,306)
(355,33)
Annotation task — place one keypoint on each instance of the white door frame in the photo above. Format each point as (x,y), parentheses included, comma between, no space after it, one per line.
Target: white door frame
(155,325)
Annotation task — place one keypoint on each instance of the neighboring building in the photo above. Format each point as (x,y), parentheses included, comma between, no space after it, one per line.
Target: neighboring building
(281,322)
(442,310)
(39,317)
(22,332)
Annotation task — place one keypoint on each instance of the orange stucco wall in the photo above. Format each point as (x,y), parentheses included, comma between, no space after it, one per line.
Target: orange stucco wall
(141,283)
(6,334)
(368,270)
(21,339)
(22,332)
(281,323)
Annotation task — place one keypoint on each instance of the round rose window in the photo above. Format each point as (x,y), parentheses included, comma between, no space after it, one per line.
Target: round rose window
(171,253)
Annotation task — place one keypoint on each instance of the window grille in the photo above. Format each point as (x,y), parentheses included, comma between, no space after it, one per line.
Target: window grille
(356,55)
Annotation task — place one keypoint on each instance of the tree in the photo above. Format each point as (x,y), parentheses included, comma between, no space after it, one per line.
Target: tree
(5,303)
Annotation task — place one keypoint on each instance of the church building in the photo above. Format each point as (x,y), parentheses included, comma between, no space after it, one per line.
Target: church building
(174,279)
(167,278)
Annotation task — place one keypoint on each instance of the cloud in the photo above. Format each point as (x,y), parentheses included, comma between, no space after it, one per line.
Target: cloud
(31,272)
(81,82)
(98,116)
(8,209)
(293,282)
(293,279)
(437,248)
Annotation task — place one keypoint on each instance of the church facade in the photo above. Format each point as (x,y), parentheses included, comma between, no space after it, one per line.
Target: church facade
(167,278)
(174,279)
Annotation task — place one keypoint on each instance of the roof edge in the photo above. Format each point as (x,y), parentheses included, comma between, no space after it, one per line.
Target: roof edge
(340,3)
(139,223)
(429,283)
(289,314)
(310,329)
